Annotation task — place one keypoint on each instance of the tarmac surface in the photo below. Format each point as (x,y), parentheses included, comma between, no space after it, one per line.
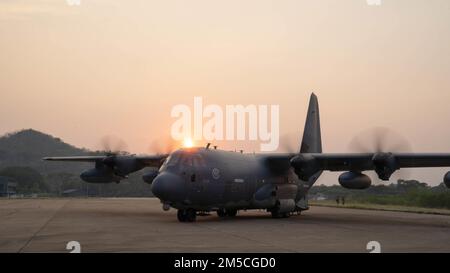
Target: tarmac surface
(140,225)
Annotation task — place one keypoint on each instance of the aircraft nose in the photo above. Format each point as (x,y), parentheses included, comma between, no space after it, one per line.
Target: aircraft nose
(169,187)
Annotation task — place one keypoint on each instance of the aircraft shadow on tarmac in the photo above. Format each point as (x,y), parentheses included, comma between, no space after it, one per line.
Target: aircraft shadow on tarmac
(381,218)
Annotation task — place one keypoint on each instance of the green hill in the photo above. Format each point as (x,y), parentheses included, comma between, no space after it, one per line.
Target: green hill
(28,147)
(21,156)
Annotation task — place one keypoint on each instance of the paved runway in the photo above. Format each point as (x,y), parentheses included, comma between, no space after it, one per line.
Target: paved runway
(140,225)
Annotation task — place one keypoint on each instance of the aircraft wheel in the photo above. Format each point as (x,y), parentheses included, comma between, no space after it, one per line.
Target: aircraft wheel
(231,212)
(186,215)
(182,215)
(221,213)
(191,215)
(277,214)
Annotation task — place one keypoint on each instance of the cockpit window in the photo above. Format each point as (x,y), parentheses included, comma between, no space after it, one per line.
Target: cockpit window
(184,159)
(170,161)
(193,160)
(198,161)
(173,159)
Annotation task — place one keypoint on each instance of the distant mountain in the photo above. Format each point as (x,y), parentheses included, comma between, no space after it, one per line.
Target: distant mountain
(22,150)
(28,147)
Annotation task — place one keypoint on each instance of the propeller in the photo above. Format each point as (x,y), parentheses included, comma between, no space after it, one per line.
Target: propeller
(117,158)
(382,141)
(113,145)
(289,143)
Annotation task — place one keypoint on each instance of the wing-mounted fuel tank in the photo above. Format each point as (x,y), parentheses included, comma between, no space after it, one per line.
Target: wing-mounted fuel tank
(354,180)
(447,180)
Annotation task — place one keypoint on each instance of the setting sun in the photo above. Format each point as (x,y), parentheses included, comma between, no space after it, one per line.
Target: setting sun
(187,143)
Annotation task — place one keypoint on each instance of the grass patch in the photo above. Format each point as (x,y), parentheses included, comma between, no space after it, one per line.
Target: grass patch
(383,207)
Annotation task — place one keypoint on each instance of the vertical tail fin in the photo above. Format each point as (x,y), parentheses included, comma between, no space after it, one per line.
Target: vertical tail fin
(312,140)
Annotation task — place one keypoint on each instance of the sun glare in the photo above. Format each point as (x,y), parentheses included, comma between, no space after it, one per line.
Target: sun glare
(187,143)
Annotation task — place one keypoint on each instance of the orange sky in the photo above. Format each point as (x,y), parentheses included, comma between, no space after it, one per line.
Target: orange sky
(118,67)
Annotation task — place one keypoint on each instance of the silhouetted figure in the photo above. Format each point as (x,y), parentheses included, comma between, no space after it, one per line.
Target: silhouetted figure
(343,200)
(337,200)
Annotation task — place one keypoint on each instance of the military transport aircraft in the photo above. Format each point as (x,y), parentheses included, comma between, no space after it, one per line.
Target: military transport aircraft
(203,179)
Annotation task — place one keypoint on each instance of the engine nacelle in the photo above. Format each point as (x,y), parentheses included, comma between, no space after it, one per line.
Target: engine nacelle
(150,176)
(121,165)
(354,180)
(447,180)
(103,175)
(305,166)
(385,165)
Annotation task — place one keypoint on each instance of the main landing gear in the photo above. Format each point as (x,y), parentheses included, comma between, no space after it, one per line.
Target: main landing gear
(276,213)
(226,212)
(189,215)
(186,215)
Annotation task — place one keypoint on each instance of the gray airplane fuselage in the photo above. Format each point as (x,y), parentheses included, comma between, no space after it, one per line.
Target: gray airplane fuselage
(208,179)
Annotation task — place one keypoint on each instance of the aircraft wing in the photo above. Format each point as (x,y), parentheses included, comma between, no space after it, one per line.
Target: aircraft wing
(113,168)
(363,162)
(75,158)
(142,161)
(384,164)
